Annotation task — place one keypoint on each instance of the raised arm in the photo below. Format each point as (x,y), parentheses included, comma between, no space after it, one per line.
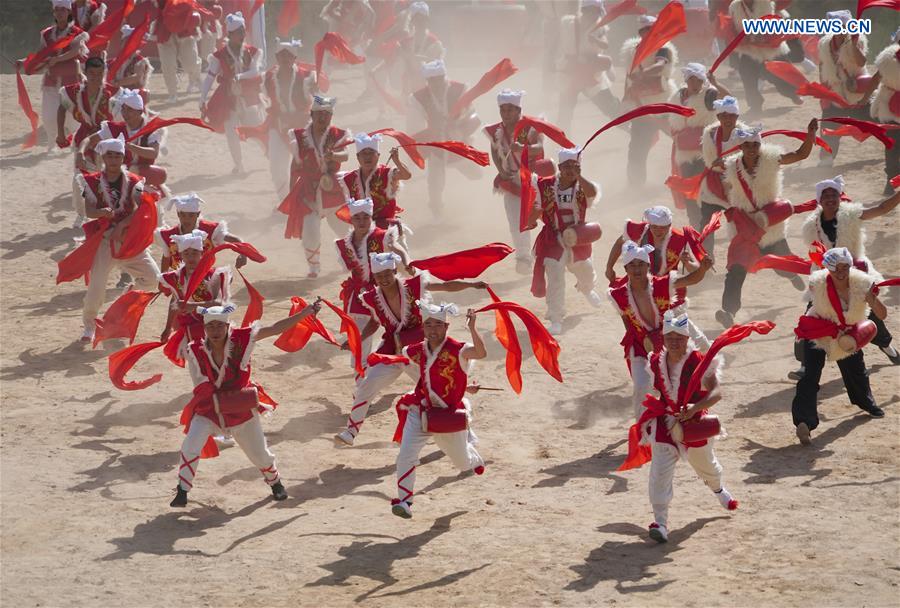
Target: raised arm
(614,254)
(279,327)
(403,173)
(696,276)
(877,306)
(882,208)
(477,350)
(805,148)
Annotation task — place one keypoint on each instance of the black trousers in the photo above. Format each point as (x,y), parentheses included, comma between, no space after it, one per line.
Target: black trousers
(752,71)
(833,111)
(856,381)
(690,169)
(736,275)
(644,132)
(706,213)
(892,156)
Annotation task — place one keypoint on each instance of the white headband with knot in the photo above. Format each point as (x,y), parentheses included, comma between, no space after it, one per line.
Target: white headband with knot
(324,104)
(383,261)
(679,324)
(131,98)
(658,216)
(192,240)
(434,69)
(844,16)
(727,105)
(646,21)
(442,312)
(697,70)
(111,145)
(62,3)
(511,97)
(835,183)
(292,46)
(748,135)
(234,21)
(419,8)
(126,30)
(216,313)
(363,205)
(187,203)
(632,251)
(366,142)
(838,255)
(567,154)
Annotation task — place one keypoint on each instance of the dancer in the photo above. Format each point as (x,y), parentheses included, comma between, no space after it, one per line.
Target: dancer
(379,183)
(885,107)
(670,245)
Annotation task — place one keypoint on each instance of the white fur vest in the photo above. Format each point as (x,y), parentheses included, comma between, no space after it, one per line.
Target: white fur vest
(857,309)
(765,185)
(835,75)
(738,12)
(701,118)
(668,85)
(888,66)
(850,231)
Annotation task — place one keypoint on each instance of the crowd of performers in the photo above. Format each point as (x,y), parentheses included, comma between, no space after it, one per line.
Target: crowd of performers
(96,103)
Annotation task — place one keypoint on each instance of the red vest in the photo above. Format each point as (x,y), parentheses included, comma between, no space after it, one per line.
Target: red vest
(661,383)
(714,179)
(119,200)
(250,87)
(283,119)
(67,72)
(171,249)
(360,279)
(89,117)
(379,186)
(408,328)
(639,232)
(442,383)
(120,128)
(633,342)
(548,243)
(308,169)
(176,280)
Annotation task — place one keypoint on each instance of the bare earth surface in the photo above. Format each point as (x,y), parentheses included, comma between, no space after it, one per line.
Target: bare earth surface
(88,471)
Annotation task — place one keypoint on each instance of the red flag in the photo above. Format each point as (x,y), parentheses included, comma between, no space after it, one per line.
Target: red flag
(25,104)
(121,362)
(255,307)
(297,337)
(497,74)
(141,227)
(106,29)
(507,336)
(78,263)
(159,122)
(788,263)
(36,60)
(124,315)
(407,142)
(625,7)
(457,147)
(335,44)
(872,128)
(652,108)
(545,347)
(349,328)
(541,126)
(864,5)
(669,23)
(208,260)
(130,47)
(289,17)
(466,264)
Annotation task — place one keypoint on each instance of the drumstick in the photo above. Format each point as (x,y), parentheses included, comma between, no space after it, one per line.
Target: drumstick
(485,388)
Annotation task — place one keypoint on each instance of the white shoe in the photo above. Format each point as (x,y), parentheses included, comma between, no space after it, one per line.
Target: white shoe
(87,335)
(555,329)
(726,500)
(594,299)
(401,508)
(659,533)
(345,437)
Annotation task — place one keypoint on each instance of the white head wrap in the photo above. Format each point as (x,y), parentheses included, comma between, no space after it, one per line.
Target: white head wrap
(434,69)
(698,70)
(126,30)
(323,104)
(442,312)
(748,135)
(591,4)
(186,203)
(62,3)
(234,21)
(419,8)
(632,251)
(843,15)
(567,154)
(838,255)
(293,46)
(131,98)
(111,145)
(727,105)
(363,205)
(679,324)
(835,182)
(645,21)
(192,240)
(658,216)
(510,96)
(216,313)
(365,142)
(383,261)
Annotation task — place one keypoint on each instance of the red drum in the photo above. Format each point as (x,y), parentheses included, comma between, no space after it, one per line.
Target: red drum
(544,168)
(778,211)
(192,24)
(236,402)
(154,175)
(582,234)
(863,82)
(700,429)
(858,336)
(444,420)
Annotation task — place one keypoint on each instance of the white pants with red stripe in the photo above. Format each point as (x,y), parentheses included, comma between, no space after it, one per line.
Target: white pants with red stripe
(457,446)
(142,267)
(312,234)
(662,471)
(555,270)
(173,51)
(249,436)
(521,241)
(377,378)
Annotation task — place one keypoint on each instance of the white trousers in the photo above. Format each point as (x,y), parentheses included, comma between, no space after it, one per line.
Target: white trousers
(279,164)
(662,471)
(249,436)
(377,378)
(142,267)
(520,240)
(642,378)
(312,234)
(176,50)
(206,45)
(243,116)
(457,446)
(555,270)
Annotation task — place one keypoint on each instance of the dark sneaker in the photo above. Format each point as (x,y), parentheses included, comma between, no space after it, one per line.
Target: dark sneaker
(278,491)
(180,499)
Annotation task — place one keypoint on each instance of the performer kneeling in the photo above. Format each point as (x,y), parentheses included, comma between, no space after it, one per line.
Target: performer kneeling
(437,407)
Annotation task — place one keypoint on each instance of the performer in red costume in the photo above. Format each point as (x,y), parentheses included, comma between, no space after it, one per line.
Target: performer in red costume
(380,183)
(670,245)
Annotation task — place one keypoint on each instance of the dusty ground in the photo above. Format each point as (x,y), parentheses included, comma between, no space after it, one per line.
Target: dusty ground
(88,471)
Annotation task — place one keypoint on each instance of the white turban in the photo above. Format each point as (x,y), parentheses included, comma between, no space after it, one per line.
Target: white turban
(748,135)
(365,142)
(186,203)
(292,46)
(323,104)
(698,70)
(838,255)
(680,324)
(658,216)
(111,145)
(632,251)
(126,30)
(434,69)
(591,4)
(62,3)
(727,105)
(843,15)
(835,182)
(131,98)
(646,21)
(363,205)
(442,312)
(234,21)
(510,96)
(216,313)
(567,154)
(383,261)
(192,240)
(419,8)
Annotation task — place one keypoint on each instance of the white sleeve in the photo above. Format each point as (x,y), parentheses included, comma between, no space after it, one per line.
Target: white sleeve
(219,234)
(254,70)
(212,70)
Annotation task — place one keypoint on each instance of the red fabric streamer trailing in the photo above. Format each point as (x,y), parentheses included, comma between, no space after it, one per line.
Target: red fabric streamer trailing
(855,132)
(788,263)
(35,61)
(545,347)
(456,147)
(787,72)
(735,42)
(790,74)
(542,126)
(527,192)
(109,27)
(255,307)
(177,14)
(670,22)
(874,129)
(625,7)
(334,43)
(123,317)
(139,233)
(208,260)
(640,454)
(259,132)
(25,104)
(652,108)
(298,336)
(864,5)
(160,122)
(695,239)
(506,334)
(406,142)
(497,74)
(289,17)
(379,359)
(467,264)
(131,46)
(78,263)
(121,362)
(888,283)
(354,340)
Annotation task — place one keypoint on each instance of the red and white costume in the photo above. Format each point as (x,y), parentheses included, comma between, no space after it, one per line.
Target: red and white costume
(827,304)
(714,190)
(215,236)
(211,29)
(178,47)
(666,255)
(136,69)
(381,185)
(416,45)
(144,167)
(837,70)
(88,14)
(885,107)
(761,51)
(642,89)
(87,112)
(60,75)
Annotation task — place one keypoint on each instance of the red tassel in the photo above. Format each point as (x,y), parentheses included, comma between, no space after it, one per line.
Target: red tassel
(349,328)
(541,126)
(208,260)
(25,104)
(872,128)
(159,122)
(458,148)
(497,74)
(405,141)
(121,362)
(669,23)
(36,60)
(123,317)
(78,263)
(139,233)
(653,108)
(105,30)
(509,339)
(625,7)
(131,46)
(467,264)
(289,17)
(545,347)
(255,307)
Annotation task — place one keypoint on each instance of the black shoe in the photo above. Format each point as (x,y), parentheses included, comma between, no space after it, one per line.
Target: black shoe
(888,189)
(895,358)
(278,491)
(725,318)
(874,411)
(180,499)
(797,374)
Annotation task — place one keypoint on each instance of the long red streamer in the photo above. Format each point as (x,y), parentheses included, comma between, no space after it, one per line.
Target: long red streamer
(25,104)
(209,260)
(139,233)
(354,340)
(103,33)
(545,347)
(160,122)
(670,22)
(334,43)
(123,317)
(297,337)
(131,46)
(872,128)
(467,264)
(509,339)
(407,142)
(542,126)
(653,108)
(121,362)
(864,5)
(255,307)
(497,74)
(459,148)
(78,263)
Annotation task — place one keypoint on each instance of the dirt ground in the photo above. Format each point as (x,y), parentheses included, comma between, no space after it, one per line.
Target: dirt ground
(88,471)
